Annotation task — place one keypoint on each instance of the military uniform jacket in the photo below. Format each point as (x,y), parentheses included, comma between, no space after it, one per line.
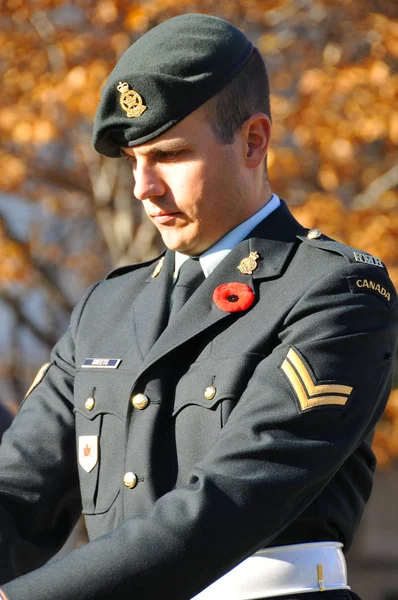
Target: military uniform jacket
(255,430)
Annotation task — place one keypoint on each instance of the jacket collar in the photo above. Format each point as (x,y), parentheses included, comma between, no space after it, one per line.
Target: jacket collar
(273,239)
(151,307)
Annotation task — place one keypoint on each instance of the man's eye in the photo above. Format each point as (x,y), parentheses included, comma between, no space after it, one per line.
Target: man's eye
(170,155)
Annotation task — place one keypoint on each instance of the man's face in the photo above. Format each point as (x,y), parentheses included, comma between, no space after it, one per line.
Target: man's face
(191,185)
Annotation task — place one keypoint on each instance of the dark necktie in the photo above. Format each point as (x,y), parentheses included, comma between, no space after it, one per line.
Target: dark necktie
(189,279)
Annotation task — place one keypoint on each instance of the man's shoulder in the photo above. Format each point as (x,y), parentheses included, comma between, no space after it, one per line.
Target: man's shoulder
(318,241)
(139,268)
(128,278)
(117,289)
(362,271)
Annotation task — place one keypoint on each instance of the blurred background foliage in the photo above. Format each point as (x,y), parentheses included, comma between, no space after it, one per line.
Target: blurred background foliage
(67,215)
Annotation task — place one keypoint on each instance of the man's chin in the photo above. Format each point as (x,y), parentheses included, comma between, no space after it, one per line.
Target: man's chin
(177,244)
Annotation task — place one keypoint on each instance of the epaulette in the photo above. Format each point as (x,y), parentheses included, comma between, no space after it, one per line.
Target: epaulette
(315,238)
(133,267)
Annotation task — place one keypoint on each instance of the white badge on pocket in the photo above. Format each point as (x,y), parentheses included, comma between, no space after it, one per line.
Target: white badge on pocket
(88,451)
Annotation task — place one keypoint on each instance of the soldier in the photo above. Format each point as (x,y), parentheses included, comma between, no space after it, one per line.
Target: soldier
(210,411)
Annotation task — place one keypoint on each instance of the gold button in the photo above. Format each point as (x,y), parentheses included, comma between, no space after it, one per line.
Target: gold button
(130,480)
(89,403)
(140,401)
(210,392)
(313,234)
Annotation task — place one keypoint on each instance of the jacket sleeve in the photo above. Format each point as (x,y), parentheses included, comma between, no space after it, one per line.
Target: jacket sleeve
(305,410)
(39,492)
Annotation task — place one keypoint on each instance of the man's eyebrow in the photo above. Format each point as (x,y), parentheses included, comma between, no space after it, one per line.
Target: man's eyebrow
(159,150)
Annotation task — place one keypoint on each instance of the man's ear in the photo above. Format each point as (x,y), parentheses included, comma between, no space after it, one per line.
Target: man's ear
(256,132)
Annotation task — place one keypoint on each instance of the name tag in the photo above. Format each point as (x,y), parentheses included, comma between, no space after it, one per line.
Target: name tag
(101,363)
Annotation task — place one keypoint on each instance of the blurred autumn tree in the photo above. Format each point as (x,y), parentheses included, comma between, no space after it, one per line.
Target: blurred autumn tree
(67,215)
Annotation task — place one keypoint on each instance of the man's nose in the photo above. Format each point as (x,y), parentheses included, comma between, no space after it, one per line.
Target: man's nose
(147,182)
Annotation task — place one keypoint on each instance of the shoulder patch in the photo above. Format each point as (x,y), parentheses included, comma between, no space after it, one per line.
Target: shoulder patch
(309,392)
(129,268)
(352,255)
(39,377)
(373,285)
(367,259)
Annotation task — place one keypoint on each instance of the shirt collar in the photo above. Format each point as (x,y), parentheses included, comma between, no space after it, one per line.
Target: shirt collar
(210,259)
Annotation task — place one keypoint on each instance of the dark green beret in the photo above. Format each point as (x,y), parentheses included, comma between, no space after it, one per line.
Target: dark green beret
(164,76)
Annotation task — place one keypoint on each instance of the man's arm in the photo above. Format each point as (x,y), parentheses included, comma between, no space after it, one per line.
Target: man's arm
(280,447)
(39,491)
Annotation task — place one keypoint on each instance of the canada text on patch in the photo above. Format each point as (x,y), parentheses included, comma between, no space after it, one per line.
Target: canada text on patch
(367,283)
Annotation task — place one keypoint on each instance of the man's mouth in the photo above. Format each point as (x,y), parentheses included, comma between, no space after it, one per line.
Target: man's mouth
(164,216)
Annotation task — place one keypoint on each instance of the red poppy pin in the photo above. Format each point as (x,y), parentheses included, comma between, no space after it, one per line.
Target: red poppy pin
(233,297)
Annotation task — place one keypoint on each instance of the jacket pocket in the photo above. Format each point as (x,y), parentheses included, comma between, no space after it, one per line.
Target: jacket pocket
(204,399)
(100,435)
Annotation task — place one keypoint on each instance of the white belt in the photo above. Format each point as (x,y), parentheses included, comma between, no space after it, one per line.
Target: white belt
(281,571)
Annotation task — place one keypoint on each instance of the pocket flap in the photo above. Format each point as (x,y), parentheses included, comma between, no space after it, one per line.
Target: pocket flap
(210,381)
(102,393)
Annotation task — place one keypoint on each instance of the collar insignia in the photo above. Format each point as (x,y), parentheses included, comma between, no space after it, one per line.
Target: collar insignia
(158,267)
(130,100)
(248,264)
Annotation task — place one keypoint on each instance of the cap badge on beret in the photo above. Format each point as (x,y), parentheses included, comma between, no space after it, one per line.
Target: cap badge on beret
(130,101)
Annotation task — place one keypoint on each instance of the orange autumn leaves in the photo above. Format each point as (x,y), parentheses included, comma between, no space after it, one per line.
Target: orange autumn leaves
(385,443)
(15,268)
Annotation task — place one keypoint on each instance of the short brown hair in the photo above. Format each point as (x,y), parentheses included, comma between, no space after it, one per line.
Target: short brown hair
(246,94)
